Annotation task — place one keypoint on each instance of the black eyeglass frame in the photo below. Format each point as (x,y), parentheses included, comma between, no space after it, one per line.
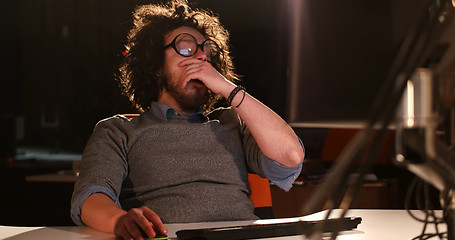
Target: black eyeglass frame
(198,46)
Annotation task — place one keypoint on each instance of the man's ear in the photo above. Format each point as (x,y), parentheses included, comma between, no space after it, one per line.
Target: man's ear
(159,77)
(160,80)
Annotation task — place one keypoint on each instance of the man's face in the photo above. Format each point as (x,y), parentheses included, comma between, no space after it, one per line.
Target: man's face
(184,96)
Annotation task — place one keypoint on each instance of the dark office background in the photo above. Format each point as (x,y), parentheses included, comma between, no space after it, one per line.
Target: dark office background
(60,61)
(60,57)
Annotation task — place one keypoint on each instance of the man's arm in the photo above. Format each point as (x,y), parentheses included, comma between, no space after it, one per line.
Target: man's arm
(103,214)
(274,136)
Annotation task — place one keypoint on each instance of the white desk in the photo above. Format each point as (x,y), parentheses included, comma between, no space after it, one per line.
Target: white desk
(376,225)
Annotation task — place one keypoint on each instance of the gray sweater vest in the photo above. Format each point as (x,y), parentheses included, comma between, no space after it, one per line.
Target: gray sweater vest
(185,172)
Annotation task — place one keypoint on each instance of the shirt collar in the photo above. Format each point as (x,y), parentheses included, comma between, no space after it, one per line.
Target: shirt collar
(166,113)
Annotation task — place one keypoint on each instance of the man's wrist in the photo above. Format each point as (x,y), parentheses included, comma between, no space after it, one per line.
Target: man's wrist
(227,90)
(234,93)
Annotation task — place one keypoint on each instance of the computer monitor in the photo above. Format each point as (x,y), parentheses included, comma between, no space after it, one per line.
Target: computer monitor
(340,55)
(350,61)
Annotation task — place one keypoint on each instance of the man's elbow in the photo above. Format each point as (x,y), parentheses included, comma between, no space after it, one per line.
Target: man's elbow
(294,158)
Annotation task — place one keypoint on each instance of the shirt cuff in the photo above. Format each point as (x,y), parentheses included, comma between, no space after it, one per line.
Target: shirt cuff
(279,174)
(76,205)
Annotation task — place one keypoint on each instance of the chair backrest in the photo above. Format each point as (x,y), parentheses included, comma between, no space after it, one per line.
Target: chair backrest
(260,191)
(261,196)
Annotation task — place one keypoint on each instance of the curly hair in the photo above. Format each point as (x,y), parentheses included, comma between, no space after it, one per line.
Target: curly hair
(140,78)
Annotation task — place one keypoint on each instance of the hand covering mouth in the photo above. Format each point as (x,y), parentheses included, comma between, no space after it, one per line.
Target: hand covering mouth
(196,82)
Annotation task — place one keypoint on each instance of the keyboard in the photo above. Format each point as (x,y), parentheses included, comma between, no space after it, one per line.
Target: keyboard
(269,230)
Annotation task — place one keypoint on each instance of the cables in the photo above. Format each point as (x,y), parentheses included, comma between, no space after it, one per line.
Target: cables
(420,190)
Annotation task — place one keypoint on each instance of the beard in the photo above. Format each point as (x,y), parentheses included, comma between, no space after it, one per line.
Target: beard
(188,101)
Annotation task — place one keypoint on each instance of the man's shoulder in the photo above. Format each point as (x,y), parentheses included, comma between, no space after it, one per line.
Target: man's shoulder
(120,121)
(118,118)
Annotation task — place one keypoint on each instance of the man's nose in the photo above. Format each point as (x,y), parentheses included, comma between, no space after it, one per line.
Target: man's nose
(201,55)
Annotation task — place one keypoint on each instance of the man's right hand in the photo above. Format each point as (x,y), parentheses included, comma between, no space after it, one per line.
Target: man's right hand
(139,223)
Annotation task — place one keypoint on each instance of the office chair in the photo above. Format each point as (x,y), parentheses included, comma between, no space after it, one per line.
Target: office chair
(261,196)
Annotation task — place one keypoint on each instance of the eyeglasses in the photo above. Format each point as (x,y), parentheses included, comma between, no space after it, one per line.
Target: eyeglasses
(186,45)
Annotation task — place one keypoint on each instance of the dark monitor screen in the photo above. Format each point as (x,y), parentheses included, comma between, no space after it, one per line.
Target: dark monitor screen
(340,54)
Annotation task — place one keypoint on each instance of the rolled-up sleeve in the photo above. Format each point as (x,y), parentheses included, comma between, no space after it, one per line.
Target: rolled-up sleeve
(265,167)
(278,174)
(80,198)
(103,167)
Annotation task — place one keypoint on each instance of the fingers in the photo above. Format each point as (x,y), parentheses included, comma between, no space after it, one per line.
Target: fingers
(193,69)
(126,229)
(194,66)
(197,69)
(139,223)
(205,72)
(199,72)
(139,220)
(190,61)
(133,231)
(155,220)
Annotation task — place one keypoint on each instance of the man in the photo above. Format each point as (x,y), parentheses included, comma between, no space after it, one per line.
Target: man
(179,161)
